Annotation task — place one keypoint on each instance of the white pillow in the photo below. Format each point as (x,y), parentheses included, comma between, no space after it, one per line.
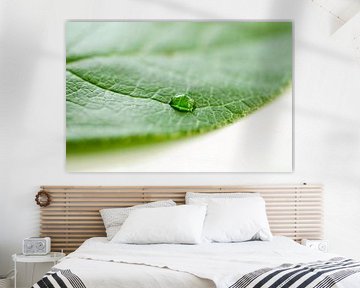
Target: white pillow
(180,224)
(113,218)
(203,198)
(236,220)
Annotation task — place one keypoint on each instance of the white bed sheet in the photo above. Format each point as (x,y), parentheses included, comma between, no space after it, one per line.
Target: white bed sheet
(100,263)
(101,274)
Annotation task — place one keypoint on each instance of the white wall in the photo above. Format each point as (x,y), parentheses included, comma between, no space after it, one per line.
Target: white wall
(32,116)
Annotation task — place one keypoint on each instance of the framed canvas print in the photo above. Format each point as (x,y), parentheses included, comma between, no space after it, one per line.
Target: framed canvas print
(188,96)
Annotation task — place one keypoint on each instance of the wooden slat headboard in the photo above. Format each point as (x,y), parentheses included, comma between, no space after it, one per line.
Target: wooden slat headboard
(73,215)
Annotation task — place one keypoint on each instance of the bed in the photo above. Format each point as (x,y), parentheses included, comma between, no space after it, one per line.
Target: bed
(281,262)
(99,263)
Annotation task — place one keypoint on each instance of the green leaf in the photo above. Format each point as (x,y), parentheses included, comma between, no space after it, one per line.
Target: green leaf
(121,78)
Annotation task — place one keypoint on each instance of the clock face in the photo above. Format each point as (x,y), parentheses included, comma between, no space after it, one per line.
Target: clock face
(40,245)
(323,247)
(36,246)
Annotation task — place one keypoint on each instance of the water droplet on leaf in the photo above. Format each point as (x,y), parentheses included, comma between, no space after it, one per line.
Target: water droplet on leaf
(182,103)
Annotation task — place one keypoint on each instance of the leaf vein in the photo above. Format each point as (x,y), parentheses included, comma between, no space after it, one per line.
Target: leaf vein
(111,90)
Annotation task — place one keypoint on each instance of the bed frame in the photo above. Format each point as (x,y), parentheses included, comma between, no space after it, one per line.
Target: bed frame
(73,214)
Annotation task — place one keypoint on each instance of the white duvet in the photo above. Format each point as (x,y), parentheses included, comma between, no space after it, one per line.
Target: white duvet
(100,263)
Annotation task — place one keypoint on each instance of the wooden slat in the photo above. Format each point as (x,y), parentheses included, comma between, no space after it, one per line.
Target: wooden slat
(294,210)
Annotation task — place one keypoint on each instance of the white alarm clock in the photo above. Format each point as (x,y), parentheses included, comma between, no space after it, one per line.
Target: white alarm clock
(320,245)
(36,246)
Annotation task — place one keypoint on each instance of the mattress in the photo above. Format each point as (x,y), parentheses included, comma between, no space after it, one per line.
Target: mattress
(99,263)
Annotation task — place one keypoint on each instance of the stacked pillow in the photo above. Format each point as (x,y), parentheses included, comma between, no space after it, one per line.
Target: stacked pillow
(114,218)
(233,217)
(220,217)
(172,225)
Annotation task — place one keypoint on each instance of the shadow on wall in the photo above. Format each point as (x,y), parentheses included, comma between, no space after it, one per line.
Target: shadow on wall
(22,38)
(21,44)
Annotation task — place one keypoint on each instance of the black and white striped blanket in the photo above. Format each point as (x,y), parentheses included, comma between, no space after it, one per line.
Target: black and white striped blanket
(57,278)
(320,274)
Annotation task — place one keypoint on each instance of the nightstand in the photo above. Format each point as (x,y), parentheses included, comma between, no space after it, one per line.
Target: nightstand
(52,257)
(320,245)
